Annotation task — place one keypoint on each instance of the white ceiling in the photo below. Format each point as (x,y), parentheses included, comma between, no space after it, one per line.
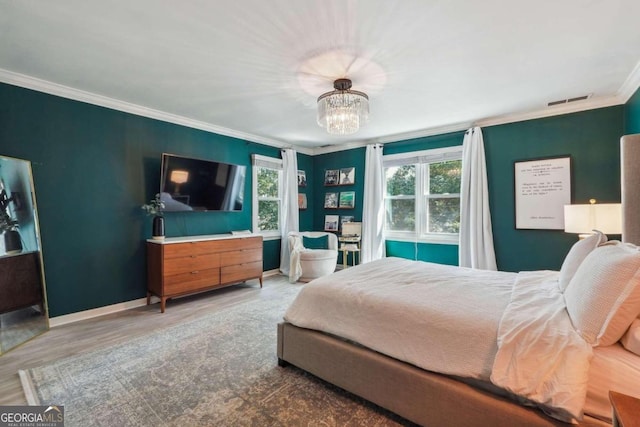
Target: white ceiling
(254,68)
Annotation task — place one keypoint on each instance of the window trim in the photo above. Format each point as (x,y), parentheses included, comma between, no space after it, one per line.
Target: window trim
(271,163)
(419,158)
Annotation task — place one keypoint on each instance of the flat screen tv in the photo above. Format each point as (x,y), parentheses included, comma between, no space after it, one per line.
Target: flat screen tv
(189,184)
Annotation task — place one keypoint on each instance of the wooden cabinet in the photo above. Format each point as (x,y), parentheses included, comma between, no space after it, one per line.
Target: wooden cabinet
(626,410)
(180,266)
(20,282)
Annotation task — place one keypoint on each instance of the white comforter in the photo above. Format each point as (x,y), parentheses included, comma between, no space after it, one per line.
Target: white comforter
(441,318)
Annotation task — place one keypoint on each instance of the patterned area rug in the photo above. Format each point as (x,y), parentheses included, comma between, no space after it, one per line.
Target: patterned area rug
(219,370)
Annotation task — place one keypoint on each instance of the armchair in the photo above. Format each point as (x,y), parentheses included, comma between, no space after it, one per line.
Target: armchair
(307,263)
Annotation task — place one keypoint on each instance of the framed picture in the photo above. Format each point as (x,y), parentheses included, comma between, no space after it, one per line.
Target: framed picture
(347,199)
(302,201)
(331,222)
(347,176)
(302,179)
(331,201)
(331,177)
(542,188)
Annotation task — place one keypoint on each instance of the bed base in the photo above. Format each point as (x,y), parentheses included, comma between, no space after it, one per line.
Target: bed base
(423,397)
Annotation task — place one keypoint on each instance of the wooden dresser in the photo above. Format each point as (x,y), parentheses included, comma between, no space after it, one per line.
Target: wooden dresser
(183,265)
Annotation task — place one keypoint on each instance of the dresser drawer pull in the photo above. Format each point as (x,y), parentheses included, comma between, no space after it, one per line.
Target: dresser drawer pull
(194,256)
(195,272)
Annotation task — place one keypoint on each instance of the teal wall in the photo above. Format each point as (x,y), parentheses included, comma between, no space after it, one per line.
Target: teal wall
(591,138)
(632,114)
(306,163)
(338,160)
(93,168)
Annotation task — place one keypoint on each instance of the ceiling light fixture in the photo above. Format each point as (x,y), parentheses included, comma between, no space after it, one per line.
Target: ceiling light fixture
(343,110)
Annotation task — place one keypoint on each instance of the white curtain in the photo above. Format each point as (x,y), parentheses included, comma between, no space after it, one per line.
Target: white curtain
(476,237)
(289,220)
(373,209)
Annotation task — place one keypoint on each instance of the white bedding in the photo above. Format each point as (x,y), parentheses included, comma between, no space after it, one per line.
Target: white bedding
(437,317)
(358,304)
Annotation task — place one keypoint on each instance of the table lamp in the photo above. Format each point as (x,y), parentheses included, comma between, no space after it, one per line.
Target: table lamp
(584,219)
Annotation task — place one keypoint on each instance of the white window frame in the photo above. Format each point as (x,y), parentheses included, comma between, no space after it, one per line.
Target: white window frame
(270,163)
(421,160)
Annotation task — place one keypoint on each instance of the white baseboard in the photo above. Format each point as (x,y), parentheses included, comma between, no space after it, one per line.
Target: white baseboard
(100,311)
(114,308)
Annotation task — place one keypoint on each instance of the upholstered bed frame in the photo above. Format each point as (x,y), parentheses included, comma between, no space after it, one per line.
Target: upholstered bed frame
(425,397)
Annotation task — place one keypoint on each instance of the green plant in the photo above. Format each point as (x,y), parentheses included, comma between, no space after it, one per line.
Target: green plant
(154,207)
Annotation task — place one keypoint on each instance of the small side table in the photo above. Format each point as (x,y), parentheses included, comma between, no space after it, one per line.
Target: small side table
(350,245)
(626,410)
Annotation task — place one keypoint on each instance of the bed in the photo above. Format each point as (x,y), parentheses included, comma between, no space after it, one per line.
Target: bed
(479,383)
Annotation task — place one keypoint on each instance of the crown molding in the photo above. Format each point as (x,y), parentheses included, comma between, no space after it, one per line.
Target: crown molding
(28,82)
(630,85)
(556,110)
(628,88)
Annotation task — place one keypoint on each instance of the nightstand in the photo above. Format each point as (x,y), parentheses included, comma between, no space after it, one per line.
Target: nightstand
(626,410)
(350,241)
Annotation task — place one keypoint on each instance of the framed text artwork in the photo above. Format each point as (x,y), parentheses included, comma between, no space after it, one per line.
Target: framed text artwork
(542,188)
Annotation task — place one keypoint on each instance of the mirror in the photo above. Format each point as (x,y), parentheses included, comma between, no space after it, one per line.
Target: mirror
(23,307)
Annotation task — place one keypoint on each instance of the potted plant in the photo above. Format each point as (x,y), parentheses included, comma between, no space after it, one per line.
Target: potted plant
(155,207)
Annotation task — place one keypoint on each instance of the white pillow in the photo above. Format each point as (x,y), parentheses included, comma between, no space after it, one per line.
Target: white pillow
(576,255)
(631,339)
(603,297)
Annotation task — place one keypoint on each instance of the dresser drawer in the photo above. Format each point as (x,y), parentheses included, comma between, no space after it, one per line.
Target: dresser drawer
(240,272)
(245,243)
(176,250)
(242,256)
(192,281)
(190,263)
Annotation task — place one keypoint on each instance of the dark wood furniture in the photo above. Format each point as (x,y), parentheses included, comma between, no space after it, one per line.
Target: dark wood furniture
(180,266)
(626,410)
(20,282)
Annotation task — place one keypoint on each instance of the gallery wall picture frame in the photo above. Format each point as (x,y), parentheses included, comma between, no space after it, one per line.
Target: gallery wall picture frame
(332,177)
(347,200)
(331,222)
(348,176)
(331,201)
(542,188)
(302,178)
(302,201)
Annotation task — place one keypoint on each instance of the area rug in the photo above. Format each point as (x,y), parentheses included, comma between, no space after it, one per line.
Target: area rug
(218,370)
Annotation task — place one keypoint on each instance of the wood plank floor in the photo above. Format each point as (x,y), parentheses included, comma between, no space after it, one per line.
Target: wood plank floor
(104,331)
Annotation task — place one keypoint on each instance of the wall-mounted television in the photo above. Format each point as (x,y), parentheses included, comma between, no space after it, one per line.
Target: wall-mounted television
(189,184)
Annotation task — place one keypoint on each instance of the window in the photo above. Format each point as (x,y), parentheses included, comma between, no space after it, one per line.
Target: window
(422,195)
(267,191)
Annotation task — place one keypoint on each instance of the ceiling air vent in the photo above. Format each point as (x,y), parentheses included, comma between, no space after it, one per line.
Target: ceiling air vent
(565,101)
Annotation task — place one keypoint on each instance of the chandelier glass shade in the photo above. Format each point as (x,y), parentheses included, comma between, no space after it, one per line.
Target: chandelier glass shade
(343,110)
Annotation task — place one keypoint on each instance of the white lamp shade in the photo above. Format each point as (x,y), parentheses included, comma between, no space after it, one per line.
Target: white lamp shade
(605,217)
(179,177)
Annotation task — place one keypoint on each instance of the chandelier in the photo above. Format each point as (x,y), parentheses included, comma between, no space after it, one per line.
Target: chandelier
(343,110)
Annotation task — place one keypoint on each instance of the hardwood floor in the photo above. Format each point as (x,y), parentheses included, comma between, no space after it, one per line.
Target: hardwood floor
(104,331)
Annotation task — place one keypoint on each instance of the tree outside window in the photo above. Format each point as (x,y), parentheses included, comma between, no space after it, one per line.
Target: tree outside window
(268,181)
(422,196)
